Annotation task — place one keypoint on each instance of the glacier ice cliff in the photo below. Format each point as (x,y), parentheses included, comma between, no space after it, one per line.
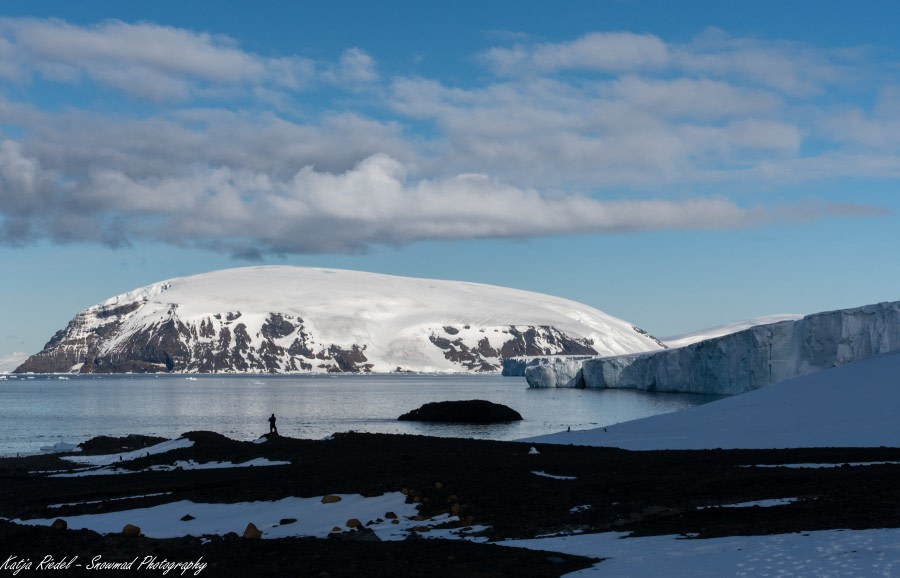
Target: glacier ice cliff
(741,361)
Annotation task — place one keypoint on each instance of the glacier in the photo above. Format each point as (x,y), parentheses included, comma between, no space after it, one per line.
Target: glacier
(738,362)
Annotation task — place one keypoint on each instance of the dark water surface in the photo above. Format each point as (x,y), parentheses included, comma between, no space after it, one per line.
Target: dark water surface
(39,411)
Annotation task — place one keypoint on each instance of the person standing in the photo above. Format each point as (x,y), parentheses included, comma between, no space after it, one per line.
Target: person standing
(272,428)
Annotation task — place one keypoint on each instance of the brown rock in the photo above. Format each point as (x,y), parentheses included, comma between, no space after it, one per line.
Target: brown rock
(59,524)
(330,499)
(390,516)
(131,531)
(353,523)
(251,532)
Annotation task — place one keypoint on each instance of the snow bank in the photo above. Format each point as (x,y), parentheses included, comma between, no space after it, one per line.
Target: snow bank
(823,553)
(106,460)
(854,405)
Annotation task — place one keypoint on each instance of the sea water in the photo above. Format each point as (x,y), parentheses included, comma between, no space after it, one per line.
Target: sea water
(41,411)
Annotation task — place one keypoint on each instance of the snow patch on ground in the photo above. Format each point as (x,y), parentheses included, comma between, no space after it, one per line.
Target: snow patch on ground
(110,459)
(312,518)
(823,553)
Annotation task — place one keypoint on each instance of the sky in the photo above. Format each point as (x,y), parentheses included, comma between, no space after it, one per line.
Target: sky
(675,165)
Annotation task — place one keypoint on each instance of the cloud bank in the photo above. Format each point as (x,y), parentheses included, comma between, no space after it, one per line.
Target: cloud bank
(206,144)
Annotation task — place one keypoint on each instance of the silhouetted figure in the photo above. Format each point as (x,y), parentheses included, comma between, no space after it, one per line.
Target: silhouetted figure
(272,428)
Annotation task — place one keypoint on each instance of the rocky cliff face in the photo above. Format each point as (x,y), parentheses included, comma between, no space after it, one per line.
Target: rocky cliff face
(755,357)
(291,319)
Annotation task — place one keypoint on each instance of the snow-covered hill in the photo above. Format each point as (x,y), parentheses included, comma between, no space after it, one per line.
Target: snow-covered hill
(298,319)
(726,329)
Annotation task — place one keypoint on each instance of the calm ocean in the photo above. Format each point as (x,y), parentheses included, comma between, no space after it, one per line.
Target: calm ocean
(39,411)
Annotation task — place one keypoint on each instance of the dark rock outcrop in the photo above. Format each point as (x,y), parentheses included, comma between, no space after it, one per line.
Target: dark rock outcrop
(468,411)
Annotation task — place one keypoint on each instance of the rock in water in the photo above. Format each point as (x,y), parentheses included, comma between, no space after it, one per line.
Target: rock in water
(468,411)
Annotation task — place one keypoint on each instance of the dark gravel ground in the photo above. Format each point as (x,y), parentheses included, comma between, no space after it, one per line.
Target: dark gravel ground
(487,483)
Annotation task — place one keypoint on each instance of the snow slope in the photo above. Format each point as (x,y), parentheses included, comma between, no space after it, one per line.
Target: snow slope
(308,319)
(726,329)
(854,405)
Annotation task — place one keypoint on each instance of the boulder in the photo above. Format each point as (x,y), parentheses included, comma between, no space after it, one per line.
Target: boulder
(251,532)
(131,531)
(469,411)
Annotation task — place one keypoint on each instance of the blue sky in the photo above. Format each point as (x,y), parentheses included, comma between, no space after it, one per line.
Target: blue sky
(678,165)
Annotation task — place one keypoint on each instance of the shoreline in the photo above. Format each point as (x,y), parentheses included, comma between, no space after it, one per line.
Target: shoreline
(499,490)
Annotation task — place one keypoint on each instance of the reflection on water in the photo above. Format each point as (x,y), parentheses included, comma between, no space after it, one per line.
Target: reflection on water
(40,411)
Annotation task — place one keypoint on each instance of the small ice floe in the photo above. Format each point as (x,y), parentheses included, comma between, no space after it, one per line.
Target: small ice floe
(261,440)
(757,504)
(191,378)
(582,508)
(533,451)
(62,378)
(546,475)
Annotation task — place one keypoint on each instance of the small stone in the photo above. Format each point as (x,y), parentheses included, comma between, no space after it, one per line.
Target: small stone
(336,530)
(438,485)
(390,516)
(330,499)
(187,518)
(286,521)
(131,531)
(555,560)
(395,521)
(251,532)
(59,524)
(230,536)
(454,510)
(353,523)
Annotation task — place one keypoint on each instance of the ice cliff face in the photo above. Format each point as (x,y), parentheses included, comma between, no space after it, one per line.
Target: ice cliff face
(297,319)
(751,358)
